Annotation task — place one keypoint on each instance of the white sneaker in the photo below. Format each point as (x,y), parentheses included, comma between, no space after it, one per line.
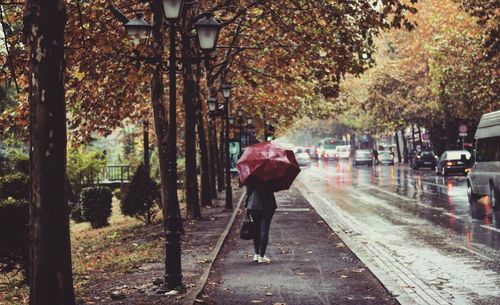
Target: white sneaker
(264,260)
(255,258)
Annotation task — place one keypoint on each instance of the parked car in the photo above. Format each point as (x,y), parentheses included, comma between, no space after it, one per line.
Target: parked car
(453,161)
(385,157)
(313,152)
(423,158)
(302,156)
(342,152)
(363,157)
(484,176)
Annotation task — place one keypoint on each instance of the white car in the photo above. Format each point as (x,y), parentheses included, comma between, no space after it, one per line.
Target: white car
(342,152)
(302,156)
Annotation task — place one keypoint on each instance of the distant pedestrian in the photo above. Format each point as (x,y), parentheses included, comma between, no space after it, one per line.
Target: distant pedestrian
(261,205)
(375,156)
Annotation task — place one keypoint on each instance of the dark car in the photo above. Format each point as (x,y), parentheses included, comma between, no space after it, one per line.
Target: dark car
(423,158)
(363,157)
(313,152)
(453,161)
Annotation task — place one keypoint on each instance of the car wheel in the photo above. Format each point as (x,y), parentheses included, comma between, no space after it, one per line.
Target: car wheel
(494,198)
(470,195)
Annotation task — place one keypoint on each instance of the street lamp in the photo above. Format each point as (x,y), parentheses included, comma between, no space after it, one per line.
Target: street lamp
(212,104)
(173,9)
(249,120)
(138,29)
(207,30)
(231,121)
(226,92)
(239,110)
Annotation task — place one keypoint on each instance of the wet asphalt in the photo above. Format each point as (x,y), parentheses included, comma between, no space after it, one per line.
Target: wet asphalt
(310,265)
(419,219)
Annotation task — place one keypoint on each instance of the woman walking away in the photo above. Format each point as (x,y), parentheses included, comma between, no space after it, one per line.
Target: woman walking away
(261,204)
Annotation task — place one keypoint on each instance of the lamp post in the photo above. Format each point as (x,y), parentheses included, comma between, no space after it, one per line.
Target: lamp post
(249,126)
(207,32)
(226,92)
(239,112)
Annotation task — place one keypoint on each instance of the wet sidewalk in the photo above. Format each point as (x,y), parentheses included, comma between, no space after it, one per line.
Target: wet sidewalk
(310,265)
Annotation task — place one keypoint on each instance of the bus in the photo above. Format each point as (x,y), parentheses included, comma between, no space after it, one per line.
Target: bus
(327,147)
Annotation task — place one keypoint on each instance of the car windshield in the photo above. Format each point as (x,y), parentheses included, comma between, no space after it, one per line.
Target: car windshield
(457,154)
(426,153)
(363,153)
(342,148)
(384,154)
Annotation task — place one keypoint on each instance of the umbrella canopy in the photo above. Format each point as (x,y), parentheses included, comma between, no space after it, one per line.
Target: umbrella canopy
(268,165)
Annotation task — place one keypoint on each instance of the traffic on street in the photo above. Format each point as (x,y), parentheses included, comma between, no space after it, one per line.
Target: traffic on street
(420,223)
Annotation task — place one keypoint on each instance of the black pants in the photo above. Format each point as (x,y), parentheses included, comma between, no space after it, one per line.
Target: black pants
(263,222)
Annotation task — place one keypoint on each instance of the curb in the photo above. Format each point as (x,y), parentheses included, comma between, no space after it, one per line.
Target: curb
(193,295)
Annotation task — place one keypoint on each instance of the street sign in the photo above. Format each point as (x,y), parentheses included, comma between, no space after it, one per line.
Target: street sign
(462,129)
(463,134)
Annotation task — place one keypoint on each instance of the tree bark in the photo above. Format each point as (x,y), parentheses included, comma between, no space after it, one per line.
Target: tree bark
(212,157)
(206,199)
(158,105)
(145,138)
(398,147)
(405,147)
(51,281)
(192,191)
(220,159)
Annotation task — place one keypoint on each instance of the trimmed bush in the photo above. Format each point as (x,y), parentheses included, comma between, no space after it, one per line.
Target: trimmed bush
(14,235)
(15,186)
(142,199)
(76,213)
(96,205)
(14,223)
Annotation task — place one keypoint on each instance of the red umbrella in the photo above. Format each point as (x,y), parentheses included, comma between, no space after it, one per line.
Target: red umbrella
(268,165)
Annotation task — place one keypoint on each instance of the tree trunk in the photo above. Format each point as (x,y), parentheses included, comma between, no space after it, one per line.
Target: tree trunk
(51,279)
(419,131)
(213,157)
(220,159)
(206,199)
(159,111)
(413,142)
(145,138)
(191,179)
(398,147)
(405,147)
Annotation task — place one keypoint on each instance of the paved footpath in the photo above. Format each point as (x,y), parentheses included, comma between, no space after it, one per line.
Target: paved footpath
(310,265)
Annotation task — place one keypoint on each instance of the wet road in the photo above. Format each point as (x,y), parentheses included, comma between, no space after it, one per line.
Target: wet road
(421,221)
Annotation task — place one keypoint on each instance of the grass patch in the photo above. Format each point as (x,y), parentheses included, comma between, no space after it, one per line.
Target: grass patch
(99,254)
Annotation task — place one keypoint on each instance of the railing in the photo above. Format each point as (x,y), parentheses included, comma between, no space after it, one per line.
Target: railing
(110,174)
(115,173)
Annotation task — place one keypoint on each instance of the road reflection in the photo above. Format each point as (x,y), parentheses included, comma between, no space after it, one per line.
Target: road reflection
(441,200)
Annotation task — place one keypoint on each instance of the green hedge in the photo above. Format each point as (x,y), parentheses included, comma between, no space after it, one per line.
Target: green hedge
(14,223)
(96,204)
(15,186)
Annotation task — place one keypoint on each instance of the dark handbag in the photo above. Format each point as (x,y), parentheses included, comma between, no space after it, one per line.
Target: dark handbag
(249,229)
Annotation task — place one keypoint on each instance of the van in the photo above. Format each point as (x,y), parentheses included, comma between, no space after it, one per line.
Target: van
(484,177)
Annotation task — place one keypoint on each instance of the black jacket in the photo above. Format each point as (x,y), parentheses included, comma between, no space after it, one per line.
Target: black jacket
(260,200)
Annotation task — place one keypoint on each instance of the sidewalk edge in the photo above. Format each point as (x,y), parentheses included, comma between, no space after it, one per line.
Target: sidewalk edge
(193,295)
(389,284)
